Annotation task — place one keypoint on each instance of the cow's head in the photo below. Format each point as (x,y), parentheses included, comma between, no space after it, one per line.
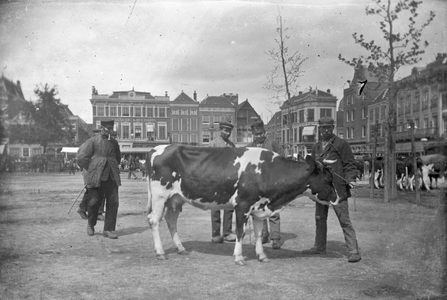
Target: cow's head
(320,182)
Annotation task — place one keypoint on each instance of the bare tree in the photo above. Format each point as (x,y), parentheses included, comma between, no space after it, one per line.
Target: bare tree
(283,79)
(402,48)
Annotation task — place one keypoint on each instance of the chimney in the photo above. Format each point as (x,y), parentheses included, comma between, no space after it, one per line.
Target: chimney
(166,93)
(328,91)
(300,93)
(18,83)
(195,96)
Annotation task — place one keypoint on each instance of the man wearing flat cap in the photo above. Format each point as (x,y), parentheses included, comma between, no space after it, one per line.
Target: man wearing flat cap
(100,155)
(344,172)
(261,140)
(227,234)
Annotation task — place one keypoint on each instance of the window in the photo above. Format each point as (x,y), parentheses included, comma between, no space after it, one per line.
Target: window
(416,104)
(137,111)
(184,124)
(150,131)
(193,112)
(36,151)
(425,99)
(113,111)
(382,112)
(352,133)
(15,151)
(206,138)
(185,138)
(216,120)
(310,115)
(347,116)
(175,124)
(175,138)
(138,129)
(371,114)
(193,138)
(352,115)
(162,112)
(301,116)
(193,125)
(162,131)
(184,112)
(347,133)
(125,130)
(175,112)
(206,121)
(363,131)
(364,113)
(325,112)
(125,111)
(426,124)
(408,104)
(26,152)
(150,112)
(100,111)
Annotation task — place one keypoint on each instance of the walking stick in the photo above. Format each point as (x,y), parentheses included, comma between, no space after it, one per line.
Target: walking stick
(76,199)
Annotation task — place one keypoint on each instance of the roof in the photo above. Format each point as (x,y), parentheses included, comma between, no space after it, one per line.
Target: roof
(275,119)
(183,99)
(244,104)
(217,101)
(11,88)
(312,93)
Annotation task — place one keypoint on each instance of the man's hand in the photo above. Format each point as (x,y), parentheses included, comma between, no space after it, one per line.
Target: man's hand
(353,184)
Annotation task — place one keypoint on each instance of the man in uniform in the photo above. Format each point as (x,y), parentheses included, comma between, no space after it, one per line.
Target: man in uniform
(261,140)
(344,172)
(222,141)
(100,155)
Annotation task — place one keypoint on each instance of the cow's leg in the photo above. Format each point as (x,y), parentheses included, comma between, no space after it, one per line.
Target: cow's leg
(241,223)
(174,207)
(257,225)
(156,205)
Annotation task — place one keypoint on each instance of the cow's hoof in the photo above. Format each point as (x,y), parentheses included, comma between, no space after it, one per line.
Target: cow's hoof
(264,259)
(240,262)
(184,252)
(161,256)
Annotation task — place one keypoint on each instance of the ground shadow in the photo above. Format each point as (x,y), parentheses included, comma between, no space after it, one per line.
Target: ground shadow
(131,230)
(227,249)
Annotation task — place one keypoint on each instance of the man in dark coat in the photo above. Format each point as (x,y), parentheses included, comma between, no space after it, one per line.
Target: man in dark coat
(261,140)
(227,234)
(344,171)
(100,155)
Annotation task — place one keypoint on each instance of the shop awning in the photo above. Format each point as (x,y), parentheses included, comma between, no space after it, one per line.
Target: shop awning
(69,150)
(310,130)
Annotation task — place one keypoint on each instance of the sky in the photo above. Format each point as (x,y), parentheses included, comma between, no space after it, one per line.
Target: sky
(211,47)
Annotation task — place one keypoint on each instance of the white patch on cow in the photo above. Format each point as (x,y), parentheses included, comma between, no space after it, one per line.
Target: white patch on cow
(252,156)
(174,174)
(158,151)
(425,172)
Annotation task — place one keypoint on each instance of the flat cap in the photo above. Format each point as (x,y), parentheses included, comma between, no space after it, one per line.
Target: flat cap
(107,123)
(326,121)
(226,125)
(257,125)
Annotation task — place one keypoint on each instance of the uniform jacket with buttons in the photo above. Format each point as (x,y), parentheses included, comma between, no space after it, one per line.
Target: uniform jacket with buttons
(339,150)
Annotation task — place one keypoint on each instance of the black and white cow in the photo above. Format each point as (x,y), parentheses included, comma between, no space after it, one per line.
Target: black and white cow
(253,181)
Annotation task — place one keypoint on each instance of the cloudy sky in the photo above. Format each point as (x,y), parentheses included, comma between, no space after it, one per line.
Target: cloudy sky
(212,47)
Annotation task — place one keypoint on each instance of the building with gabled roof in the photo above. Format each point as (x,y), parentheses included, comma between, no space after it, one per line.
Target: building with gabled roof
(305,110)
(245,116)
(184,119)
(352,116)
(212,111)
(273,127)
(141,119)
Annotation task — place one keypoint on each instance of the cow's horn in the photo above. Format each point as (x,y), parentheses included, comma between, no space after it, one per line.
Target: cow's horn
(329,161)
(336,201)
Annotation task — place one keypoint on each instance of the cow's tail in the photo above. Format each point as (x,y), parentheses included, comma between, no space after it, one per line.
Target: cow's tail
(148,167)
